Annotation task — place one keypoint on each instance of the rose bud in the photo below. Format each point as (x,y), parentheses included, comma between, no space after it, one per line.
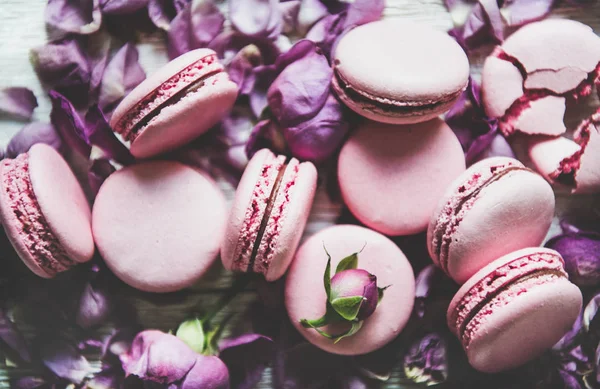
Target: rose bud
(356,283)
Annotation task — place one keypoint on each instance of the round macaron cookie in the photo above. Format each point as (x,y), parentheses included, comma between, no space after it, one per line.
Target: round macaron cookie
(391,177)
(269,212)
(390,71)
(176,104)
(44,211)
(158,225)
(514,309)
(495,207)
(305,296)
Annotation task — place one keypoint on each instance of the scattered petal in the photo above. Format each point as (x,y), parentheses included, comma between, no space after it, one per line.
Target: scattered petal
(99,171)
(18,102)
(69,124)
(63,358)
(74,16)
(119,7)
(520,12)
(364,11)
(246,357)
(31,134)
(581,252)
(97,132)
(94,306)
(590,311)
(311,11)
(265,134)
(289,14)
(12,337)
(264,77)
(426,361)
(228,44)
(241,68)
(208,372)
(161,13)
(256,18)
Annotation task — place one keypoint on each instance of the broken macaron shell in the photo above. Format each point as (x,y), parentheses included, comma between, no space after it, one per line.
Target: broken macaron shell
(529,79)
(176,104)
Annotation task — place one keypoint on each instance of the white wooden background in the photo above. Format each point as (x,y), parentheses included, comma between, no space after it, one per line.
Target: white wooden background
(22,27)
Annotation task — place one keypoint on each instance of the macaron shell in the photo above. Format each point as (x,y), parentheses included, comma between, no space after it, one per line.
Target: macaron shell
(542,116)
(502,85)
(61,201)
(305,294)
(588,175)
(530,324)
(187,119)
(158,225)
(547,153)
(392,177)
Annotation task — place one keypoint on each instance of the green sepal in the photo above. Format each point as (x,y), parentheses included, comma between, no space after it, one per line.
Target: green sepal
(214,335)
(380,293)
(330,316)
(356,326)
(192,333)
(350,262)
(347,307)
(327,275)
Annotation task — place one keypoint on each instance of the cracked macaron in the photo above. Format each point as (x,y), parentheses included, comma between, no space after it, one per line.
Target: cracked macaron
(269,212)
(390,71)
(495,207)
(528,80)
(44,211)
(514,309)
(176,104)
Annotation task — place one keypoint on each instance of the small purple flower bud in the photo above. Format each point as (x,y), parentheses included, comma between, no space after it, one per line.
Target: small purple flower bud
(356,282)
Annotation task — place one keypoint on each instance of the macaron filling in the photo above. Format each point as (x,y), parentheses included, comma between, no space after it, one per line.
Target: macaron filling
(35,232)
(500,287)
(464,198)
(189,80)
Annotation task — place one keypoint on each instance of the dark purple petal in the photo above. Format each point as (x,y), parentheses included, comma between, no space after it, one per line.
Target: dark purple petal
(31,134)
(317,139)
(264,76)
(427,278)
(426,361)
(122,74)
(106,379)
(256,18)
(209,372)
(76,16)
(568,340)
(311,11)
(246,357)
(29,382)
(98,133)
(99,171)
(236,127)
(590,311)
(63,358)
(68,124)
(289,11)
(63,66)
(519,12)
(161,13)
(12,337)
(581,253)
(327,31)
(498,147)
(265,134)
(194,27)
(119,7)
(364,11)
(227,44)
(18,102)
(97,50)
(301,89)
(94,306)
(241,68)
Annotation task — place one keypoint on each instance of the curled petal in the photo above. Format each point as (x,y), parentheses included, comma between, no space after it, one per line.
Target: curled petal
(31,134)
(246,358)
(18,102)
(256,18)
(520,12)
(98,133)
(74,16)
(69,124)
(241,68)
(119,7)
(364,11)
(98,171)
(311,11)
(581,252)
(289,15)
(265,134)
(161,13)
(94,306)
(63,358)
(426,361)
(13,338)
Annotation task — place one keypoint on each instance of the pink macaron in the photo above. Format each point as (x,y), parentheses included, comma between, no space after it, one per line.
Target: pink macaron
(495,207)
(305,296)
(176,104)
(44,211)
(514,309)
(269,212)
(391,176)
(528,80)
(390,71)
(158,225)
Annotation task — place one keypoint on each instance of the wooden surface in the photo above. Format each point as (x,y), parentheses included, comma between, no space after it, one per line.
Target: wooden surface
(22,27)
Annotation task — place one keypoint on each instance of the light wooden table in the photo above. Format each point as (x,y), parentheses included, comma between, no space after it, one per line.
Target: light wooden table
(22,27)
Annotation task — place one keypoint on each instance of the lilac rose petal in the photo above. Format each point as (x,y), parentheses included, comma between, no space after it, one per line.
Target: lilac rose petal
(246,358)
(209,372)
(74,16)
(31,134)
(241,68)
(289,14)
(119,7)
(426,360)
(256,18)
(161,13)
(63,358)
(18,102)
(311,11)
(301,89)
(12,337)
(590,311)
(69,124)
(519,12)
(265,134)
(364,11)
(122,74)
(581,252)
(94,306)
(264,77)
(98,133)
(317,139)
(98,172)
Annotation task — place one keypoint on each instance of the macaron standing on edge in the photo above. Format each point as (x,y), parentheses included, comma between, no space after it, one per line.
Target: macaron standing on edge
(158,225)
(390,71)
(176,104)
(44,211)
(271,206)
(514,309)
(495,207)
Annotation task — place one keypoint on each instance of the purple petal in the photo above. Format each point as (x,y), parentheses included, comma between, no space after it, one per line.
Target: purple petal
(119,7)
(68,124)
(99,171)
(63,66)
(427,278)
(241,68)
(590,311)
(31,134)
(246,357)
(482,25)
(29,382)
(256,18)
(236,127)
(76,16)
(18,102)
(194,27)
(311,11)
(161,13)
(63,358)
(426,360)
(264,77)
(289,11)
(227,44)
(481,143)
(301,89)
(265,134)
(519,12)
(364,11)
(98,133)
(209,372)
(106,379)
(94,306)
(498,147)
(98,48)
(581,252)
(122,74)
(317,139)
(327,31)
(12,337)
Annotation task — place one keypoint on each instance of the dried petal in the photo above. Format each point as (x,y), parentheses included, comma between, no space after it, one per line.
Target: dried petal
(99,171)
(228,44)
(246,357)
(289,15)
(12,337)
(161,13)
(241,68)
(426,360)
(264,76)
(581,252)
(31,134)
(122,74)
(265,134)
(256,18)
(63,358)
(76,16)
(208,372)
(590,311)
(97,132)
(364,11)
(18,102)
(520,12)
(94,306)
(311,11)
(119,7)
(69,124)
